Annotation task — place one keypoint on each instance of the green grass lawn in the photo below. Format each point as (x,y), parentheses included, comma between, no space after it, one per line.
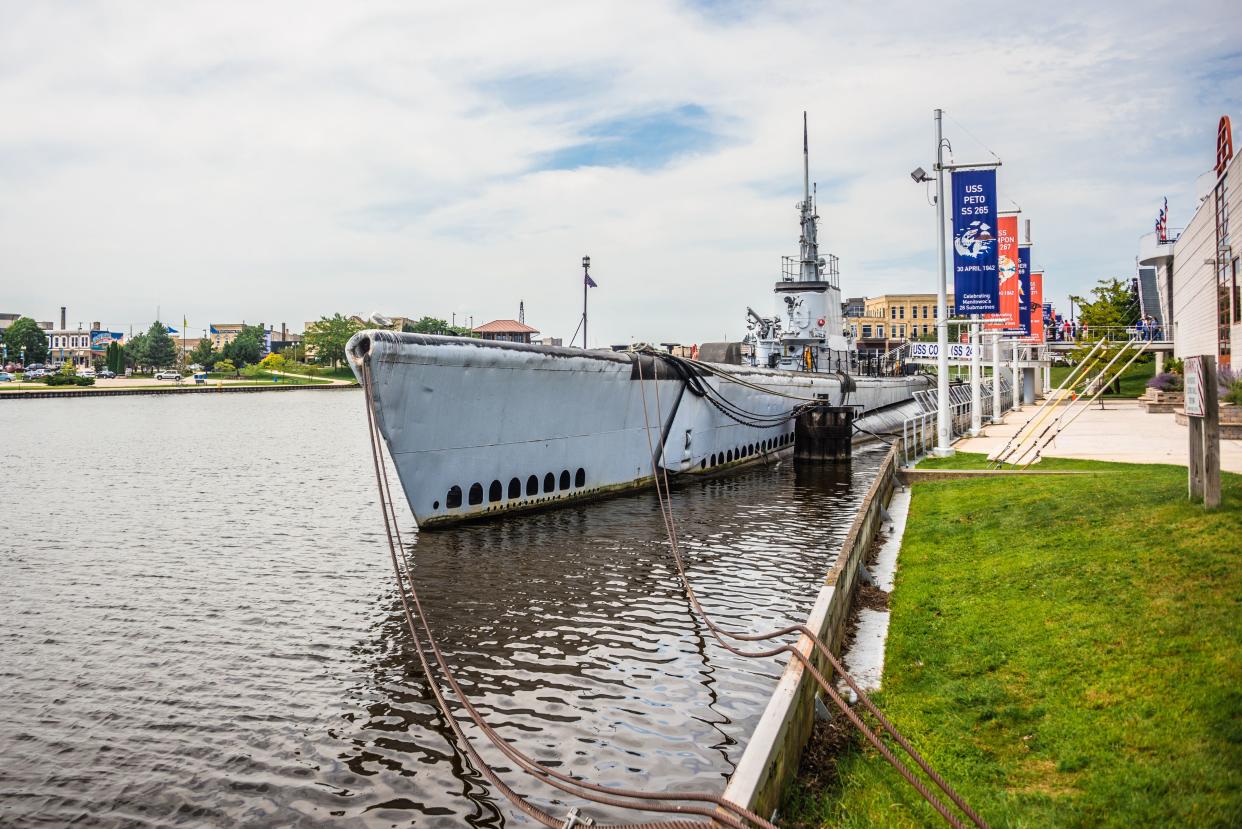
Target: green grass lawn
(1065,651)
(1133,379)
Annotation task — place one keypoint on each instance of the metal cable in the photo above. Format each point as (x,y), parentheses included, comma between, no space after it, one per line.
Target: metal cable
(719,633)
(605,795)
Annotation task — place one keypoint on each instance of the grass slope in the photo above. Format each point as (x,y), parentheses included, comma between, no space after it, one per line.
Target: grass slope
(1065,651)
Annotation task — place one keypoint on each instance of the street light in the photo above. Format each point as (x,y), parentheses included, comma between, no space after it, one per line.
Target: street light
(944,434)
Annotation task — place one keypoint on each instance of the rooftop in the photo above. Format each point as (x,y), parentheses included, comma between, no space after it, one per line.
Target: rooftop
(505,327)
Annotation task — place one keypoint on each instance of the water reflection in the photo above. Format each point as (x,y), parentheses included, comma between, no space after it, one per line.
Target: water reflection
(209,633)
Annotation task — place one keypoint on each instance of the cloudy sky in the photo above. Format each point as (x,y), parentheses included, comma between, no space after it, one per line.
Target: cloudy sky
(278,161)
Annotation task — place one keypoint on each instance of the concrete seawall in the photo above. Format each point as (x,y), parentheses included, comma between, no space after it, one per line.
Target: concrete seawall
(89,392)
(771,757)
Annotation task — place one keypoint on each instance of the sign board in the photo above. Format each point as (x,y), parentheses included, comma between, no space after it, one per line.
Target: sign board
(1007,269)
(920,352)
(1195,405)
(975,286)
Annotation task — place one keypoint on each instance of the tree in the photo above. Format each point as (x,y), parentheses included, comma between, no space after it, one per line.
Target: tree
(226,366)
(273,362)
(136,351)
(1116,304)
(161,350)
(245,349)
(26,334)
(204,354)
(426,325)
(329,336)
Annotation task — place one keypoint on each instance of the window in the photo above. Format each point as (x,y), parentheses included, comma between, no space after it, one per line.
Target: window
(903,332)
(901,312)
(532,485)
(580,477)
(853,330)
(879,330)
(893,312)
(1237,298)
(476,494)
(925,313)
(549,482)
(495,492)
(867,331)
(453,501)
(515,488)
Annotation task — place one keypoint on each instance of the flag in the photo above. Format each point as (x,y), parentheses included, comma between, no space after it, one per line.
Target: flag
(212,328)
(590,283)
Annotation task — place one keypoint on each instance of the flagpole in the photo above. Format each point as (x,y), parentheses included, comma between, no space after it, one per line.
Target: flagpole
(586,284)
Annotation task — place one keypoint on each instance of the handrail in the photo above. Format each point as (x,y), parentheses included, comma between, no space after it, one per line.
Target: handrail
(1137,353)
(1050,402)
(1099,378)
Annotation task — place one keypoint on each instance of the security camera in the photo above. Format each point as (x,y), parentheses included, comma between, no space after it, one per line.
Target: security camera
(919,175)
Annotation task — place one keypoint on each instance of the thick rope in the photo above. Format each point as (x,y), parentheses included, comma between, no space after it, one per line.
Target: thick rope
(719,633)
(600,794)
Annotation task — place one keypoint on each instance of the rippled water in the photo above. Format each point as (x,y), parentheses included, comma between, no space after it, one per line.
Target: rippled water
(199,624)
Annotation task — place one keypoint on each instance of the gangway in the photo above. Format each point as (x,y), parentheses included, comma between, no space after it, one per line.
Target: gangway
(1051,401)
(1031,446)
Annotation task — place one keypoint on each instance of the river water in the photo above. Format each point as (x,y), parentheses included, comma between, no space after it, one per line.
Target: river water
(199,624)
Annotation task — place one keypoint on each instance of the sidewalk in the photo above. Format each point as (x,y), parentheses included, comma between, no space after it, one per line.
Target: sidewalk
(1123,432)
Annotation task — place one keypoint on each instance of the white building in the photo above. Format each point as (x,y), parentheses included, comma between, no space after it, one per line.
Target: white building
(65,345)
(1197,273)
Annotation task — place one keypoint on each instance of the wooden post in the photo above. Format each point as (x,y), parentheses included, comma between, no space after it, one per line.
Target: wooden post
(1211,437)
(1203,420)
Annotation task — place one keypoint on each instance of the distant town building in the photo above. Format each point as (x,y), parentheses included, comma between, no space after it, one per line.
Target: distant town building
(223,333)
(890,319)
(8,319)
(69,346)
(510,331)
(855,306)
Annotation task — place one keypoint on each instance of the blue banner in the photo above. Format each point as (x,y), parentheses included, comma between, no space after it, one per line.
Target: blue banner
(976,286)
(1024,289)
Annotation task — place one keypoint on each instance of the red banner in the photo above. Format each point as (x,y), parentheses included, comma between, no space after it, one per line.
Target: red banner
(1007,267)
(1037,306)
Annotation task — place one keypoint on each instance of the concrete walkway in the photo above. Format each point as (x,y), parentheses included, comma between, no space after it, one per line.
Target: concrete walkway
(1123,431)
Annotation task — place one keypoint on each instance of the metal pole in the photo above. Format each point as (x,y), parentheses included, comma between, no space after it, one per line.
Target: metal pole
(1017,379)
(976,378)
(943,437)
(996,378)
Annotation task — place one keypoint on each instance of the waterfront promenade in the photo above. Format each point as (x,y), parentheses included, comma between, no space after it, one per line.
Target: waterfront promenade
(1122,431)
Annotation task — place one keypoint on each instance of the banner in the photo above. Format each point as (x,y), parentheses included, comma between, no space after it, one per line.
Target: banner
(975,288)
(1007,270)
(1024,289)
(100,340)
(1037,307)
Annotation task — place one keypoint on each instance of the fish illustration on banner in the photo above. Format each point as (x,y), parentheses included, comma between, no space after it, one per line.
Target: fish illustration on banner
(975,284)
(1007,268)
(1024,289)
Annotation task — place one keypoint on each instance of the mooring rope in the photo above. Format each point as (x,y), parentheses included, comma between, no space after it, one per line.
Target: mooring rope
(609,796)
(719,634)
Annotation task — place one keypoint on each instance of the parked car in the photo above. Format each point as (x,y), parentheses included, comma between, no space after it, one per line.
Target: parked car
(106,374)
(35,366)
(168,374)
(37,374)
(86,372)
(5,377)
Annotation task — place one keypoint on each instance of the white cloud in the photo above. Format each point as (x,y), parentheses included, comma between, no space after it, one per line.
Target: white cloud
(276,162)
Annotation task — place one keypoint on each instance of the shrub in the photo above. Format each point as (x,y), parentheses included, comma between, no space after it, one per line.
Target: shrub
(1165,381)
(1225,380)
(1234,395)
(1175,366)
